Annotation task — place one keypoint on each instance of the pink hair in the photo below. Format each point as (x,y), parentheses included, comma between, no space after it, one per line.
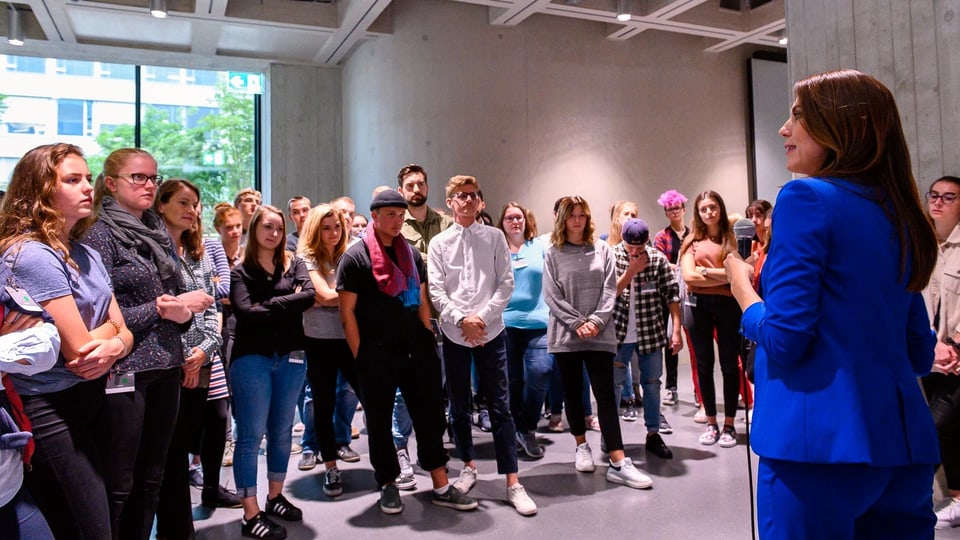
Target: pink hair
(671,197)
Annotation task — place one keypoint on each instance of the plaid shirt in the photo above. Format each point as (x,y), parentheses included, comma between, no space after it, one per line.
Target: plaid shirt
(668,243)
(651,324)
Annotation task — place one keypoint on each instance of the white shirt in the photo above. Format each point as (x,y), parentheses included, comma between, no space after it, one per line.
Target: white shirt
(469,273)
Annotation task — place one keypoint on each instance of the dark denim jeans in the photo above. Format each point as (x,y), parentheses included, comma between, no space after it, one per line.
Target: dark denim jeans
(491,363)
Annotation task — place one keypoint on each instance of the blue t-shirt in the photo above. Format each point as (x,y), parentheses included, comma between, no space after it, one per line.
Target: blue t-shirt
(527,309)
(45,275)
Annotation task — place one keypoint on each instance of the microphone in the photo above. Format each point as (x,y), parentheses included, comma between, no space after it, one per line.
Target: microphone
(744,230)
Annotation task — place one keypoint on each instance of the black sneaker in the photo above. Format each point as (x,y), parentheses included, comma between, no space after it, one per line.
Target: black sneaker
(657,447)
(454,498)
(279,506)
(260,526)
(220,497)
(390,501)
(527,443)
(332,485)
(347,454)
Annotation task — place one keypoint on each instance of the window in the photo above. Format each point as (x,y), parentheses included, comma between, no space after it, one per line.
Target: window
(74,67)
(188,120)
(28,64)
(117,71)
(70,117)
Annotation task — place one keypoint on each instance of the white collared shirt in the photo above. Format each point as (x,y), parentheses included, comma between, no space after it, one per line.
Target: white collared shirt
(469,273)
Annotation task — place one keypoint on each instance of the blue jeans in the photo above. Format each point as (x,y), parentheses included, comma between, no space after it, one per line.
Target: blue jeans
(491,364)
(265,391)
(651,369)
(344,411)
(530,369)
(305,407)
(402,424)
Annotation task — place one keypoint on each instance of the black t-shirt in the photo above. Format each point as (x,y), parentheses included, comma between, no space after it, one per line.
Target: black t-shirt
(381,318)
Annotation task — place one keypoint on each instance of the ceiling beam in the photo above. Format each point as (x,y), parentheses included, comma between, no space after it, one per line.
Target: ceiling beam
(517,13)
(354,23)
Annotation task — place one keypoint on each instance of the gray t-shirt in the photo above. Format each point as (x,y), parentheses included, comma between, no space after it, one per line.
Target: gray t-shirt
(322,322)
(45,275)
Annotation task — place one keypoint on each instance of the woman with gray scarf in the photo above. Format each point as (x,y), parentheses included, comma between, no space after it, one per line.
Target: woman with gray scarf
(144,390)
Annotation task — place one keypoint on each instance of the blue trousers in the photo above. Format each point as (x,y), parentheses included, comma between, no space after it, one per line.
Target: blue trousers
(807,501)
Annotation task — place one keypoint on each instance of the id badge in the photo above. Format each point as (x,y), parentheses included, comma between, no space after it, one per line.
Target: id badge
(691,300)
(648,286)
(121,382)
(296,357)
(23,300)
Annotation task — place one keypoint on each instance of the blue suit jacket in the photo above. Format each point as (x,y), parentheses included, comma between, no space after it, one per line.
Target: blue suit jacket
(841,340)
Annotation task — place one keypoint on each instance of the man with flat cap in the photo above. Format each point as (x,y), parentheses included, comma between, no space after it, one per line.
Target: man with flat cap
(645,283)
(381,281)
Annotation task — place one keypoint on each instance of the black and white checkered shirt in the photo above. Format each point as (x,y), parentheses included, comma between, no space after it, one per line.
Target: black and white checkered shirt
(656,286)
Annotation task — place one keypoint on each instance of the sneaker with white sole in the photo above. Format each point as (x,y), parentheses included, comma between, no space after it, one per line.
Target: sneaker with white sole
(390,501)
(527,443)
(522,502)
(949,516)
(332,484)
(454,498)
(728,437)
(670,397)
(467,479)
(260,526)
(628,475)
(665,426)
(584,459)
(701,416)
(406,480)
(710,436)
(308,461)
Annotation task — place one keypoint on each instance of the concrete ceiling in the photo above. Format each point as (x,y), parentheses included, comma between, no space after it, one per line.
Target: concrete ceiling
(250,34)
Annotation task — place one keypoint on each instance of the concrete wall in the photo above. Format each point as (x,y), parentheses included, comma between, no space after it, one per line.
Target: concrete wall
(548,108)
(913,47)
(303,152)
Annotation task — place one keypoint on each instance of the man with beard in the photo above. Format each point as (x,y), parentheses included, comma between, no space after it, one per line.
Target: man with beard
(421,222)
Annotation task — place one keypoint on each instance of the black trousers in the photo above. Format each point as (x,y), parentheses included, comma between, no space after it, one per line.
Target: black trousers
(719,313)
(413,365)
(174,509)
(325,357)
(943,394)
(599,366)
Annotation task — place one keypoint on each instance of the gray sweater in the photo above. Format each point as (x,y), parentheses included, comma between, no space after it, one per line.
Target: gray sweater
(579,285)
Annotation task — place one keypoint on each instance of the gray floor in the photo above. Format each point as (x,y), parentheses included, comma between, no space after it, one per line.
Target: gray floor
(703,492)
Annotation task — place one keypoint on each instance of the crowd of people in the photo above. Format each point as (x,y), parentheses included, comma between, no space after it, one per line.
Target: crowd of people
(131,342)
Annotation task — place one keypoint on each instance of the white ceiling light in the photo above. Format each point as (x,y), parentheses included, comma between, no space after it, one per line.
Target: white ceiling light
(158,8)
(14,28)
(623,10)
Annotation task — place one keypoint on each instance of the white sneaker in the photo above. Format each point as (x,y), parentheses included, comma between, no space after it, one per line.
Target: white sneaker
(584,461)
(701,416)
(628,475)
(468,479)
(522,502)
(406,480)
(949,515)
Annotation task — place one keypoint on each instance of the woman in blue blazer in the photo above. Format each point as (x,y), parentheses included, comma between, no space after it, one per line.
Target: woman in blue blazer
(849,448)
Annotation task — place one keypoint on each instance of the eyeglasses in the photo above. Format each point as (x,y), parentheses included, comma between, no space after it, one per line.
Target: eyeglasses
(464,196)
(513,218)
(141,179)
(673,209)
(947,198)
